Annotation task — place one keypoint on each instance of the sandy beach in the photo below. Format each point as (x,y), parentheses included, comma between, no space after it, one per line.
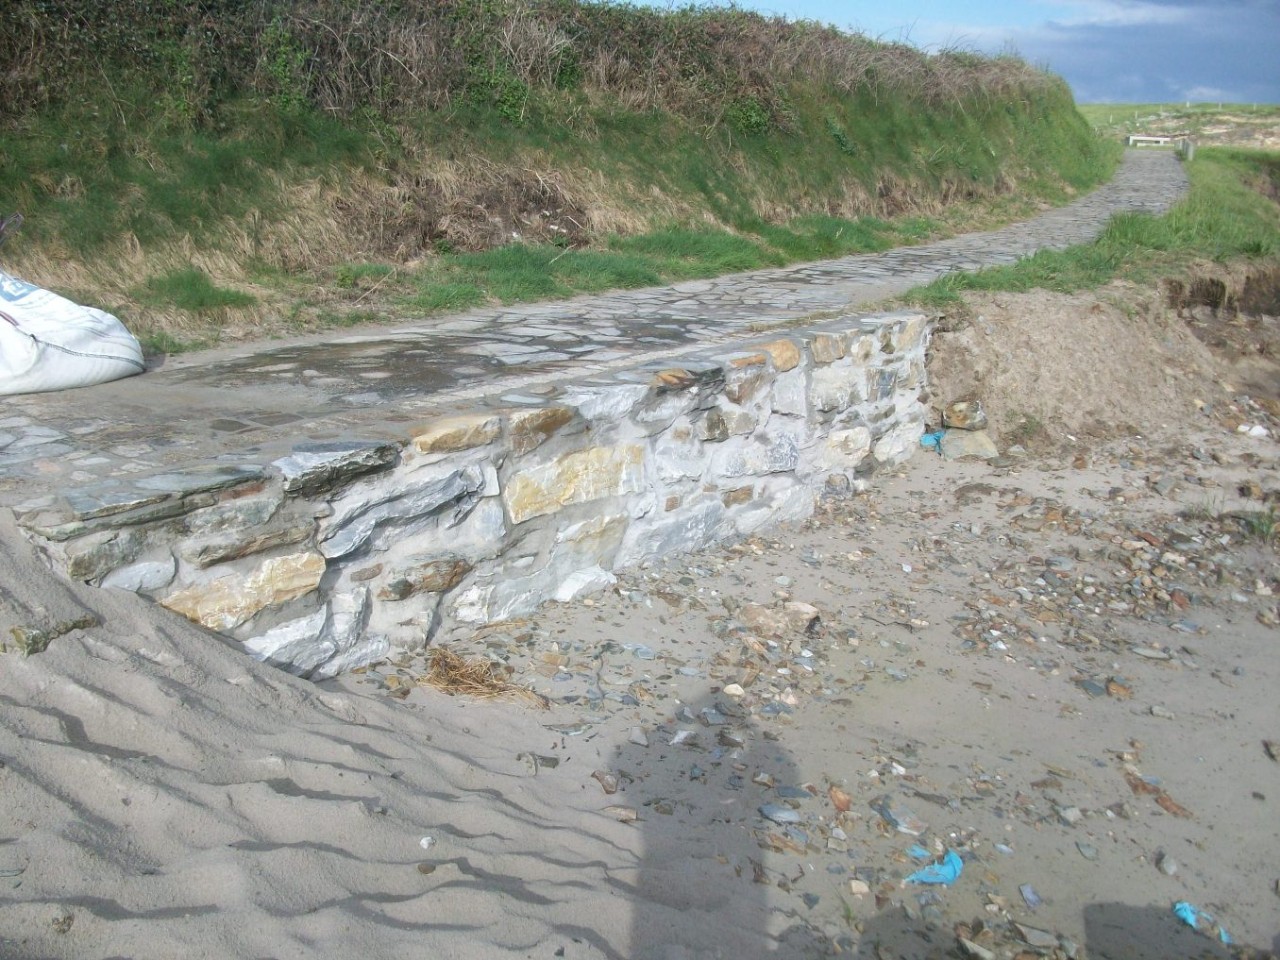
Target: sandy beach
(1051,676)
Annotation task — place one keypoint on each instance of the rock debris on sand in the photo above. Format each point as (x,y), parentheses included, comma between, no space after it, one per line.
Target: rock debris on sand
(1052,677)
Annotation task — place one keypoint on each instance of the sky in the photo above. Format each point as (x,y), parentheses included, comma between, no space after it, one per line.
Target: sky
(1109,51)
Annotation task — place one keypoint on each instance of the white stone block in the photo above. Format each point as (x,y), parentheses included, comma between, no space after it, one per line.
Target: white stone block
(899,443)
(586,580)
(140,577)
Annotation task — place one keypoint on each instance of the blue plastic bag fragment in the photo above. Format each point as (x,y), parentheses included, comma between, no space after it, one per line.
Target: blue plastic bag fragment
(917,852)
(932,441)
(1199,920)
(946,873)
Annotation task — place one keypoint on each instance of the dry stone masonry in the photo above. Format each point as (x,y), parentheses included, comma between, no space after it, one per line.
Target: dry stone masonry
(329,557)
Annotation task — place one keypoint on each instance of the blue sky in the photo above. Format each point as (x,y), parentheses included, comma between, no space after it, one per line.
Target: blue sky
(1109,51)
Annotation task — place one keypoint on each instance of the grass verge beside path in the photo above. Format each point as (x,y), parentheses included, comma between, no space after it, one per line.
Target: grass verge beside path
(1231,212)
(522,273)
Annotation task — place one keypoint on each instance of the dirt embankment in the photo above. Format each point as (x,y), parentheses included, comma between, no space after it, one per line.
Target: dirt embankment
(1055,371)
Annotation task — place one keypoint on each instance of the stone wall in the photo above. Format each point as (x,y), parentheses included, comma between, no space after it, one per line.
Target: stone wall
(328,557)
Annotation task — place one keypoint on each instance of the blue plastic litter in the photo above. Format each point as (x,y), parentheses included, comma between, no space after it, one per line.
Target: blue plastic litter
(1199,920)
(946,873)
(932,441)
(917,852)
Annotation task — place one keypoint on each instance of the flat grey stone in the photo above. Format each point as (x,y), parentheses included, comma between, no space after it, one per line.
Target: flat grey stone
(316,467)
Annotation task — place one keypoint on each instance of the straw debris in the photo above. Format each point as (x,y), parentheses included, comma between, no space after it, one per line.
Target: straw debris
(476,677)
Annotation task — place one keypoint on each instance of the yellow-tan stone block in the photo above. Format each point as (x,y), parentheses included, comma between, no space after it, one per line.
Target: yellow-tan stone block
(577,477)
(675,378)
(529,429)
(785,354)
(227,602)
(749,360)
(912,332)
(827,348)
(737,496)
(449,434)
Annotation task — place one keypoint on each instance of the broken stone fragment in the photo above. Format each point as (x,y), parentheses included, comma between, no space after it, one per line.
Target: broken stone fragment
(762,621)
(141,577)
(784,354)
(837,386)
(827,348)
(719,425)
(802,617)
(899,443)
(398,502)
(846,449)
(214,550)
(297,646)
(463,432)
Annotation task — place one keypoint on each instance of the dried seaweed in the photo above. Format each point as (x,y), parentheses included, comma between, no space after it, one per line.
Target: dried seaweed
(477,677)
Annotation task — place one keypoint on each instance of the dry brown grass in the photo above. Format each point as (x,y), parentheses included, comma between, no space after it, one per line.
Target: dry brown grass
(479,678)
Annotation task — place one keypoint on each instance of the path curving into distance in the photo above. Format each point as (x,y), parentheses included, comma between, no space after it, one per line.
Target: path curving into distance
(221,403)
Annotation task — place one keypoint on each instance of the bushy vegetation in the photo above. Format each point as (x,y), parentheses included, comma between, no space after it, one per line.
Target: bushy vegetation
(346,56)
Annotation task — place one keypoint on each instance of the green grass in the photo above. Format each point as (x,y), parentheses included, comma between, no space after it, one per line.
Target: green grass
(85,177)
(349,275)
(191,289)
(522,272)
(162,342)
(1225,216)
(440,295)
(685,252)
(1260,525)
(106,175)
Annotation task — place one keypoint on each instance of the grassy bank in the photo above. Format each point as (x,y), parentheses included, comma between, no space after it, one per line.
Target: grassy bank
(219,168)
(1230,213)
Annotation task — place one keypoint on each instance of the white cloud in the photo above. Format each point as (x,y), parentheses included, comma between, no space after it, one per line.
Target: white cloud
(1208,95)
(1139,50)
(1123,13)
(1107,50)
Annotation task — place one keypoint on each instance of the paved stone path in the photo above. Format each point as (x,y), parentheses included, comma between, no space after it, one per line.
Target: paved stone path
(237,403)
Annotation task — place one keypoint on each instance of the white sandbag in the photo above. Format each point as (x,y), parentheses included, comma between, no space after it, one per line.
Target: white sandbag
(49,343)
